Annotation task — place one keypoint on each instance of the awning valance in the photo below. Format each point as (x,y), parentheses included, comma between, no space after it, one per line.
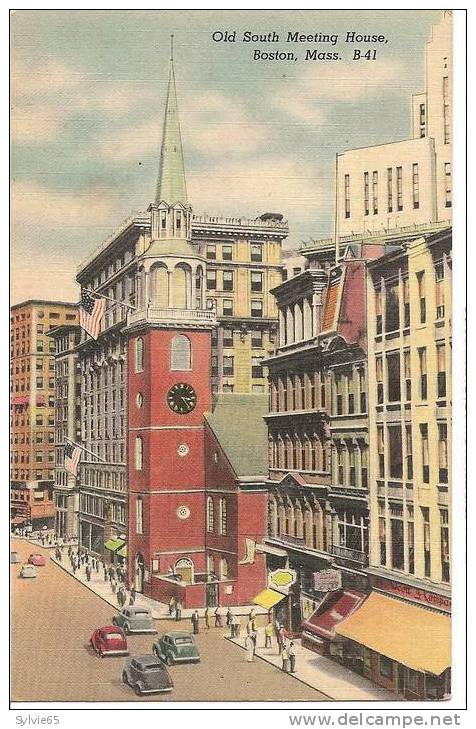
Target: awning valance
(413,636)
(335,608)
(268,598)
(122,552)
(114,544)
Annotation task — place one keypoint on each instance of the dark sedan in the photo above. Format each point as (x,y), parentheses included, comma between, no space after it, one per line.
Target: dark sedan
(147,675)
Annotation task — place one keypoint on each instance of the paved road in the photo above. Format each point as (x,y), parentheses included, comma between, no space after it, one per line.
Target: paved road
(52,620)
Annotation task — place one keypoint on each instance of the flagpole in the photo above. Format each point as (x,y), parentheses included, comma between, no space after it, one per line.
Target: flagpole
(109,298)
(78,445)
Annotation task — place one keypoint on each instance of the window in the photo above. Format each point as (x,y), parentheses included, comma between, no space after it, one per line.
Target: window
(228,337)
(395,448)
(409,453)
(223,517)
(256,308)
(422,120)
(441,362)
(378,311)
(139,516)
(446,111)
(445,545)
(425,513)
(408,375)
(256,252)
(210,515)
(385,667)
(139,354)
(406,303)
(211,252)
(443,453)
(421,296)
(392,308)
(181,353)
(393,376)
(256,367)
(423,374)
(256,281)
(399,189)
(366,194)
(382,535)
(415,187)
(257,339)
(379,378)
(424,452)
(139,453)
(389,189)
(347,196)
(411,539)
(375,191)
(396,536)
(339,386)
(227,307)
(228,366)
(211,304)
(211,280)
(227,253)
(439,289)
(223,569)
(227,280)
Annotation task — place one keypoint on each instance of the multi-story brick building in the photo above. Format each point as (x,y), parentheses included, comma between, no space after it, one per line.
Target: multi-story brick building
(32,387)
(67,426)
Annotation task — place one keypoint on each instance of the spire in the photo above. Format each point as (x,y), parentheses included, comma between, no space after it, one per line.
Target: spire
(171,186)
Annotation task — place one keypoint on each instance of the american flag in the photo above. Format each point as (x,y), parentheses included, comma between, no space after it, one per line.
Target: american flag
(91,311)
(72,454)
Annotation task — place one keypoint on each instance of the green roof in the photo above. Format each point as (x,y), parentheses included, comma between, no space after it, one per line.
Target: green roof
(238,425)
(171,186)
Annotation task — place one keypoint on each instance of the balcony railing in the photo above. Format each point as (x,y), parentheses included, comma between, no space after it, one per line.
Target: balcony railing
(154,315)
(347,553)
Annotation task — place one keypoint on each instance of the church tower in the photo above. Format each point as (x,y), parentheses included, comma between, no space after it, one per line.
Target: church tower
(169,355)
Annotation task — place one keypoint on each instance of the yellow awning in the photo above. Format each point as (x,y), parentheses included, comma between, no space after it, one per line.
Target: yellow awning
(113,544)
(122,552)
(413,636)
(268,598)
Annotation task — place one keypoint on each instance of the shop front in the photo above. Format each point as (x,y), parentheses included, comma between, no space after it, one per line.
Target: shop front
(319,630)
(400,646)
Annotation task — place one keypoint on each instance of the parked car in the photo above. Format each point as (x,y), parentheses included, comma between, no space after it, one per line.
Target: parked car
(134,619)
(37,559)
(147,675)
(28,570)
(109,641)
(14,558)
(176,647)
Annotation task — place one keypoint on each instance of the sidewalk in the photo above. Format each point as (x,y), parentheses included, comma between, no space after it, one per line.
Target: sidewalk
(159,610)
(323,674)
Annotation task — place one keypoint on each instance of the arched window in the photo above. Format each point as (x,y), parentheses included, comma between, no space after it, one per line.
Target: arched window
(139,454)
(139,516)
(181,353)
(223,569)
(223,517)
(210,564)
(139,354)
(210,515)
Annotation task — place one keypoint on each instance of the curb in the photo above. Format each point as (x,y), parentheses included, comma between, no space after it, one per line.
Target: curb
(85,584)
(293,675)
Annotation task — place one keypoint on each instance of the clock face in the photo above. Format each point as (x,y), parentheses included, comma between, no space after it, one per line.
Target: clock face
(181,398)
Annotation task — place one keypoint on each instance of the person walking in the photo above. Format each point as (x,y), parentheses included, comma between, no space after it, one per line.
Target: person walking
(195,622)
(268,635)
(113,585)
(206,615)
(178,610)
(171,605)
(292,657)
(97,564)
(250,649)
(285,659)
(218,623)
(132,597)
(88,572)
(105,577)
(279,637)
(229,616)
(233,624)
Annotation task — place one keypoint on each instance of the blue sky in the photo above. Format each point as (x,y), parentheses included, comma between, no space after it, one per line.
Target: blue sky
(88,92)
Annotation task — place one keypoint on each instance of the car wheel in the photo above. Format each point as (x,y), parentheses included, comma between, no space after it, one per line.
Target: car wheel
(125,678)
(126,629)
(138,689)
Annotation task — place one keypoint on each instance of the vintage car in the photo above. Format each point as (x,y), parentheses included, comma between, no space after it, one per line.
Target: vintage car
(147,675)
(134,619)
(14,558)
(176,647)
(37,559)
(109,641)
(28,570)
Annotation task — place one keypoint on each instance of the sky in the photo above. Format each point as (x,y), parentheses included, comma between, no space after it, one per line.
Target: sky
(87,99)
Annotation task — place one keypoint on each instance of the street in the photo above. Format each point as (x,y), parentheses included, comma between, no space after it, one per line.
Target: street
(52,619)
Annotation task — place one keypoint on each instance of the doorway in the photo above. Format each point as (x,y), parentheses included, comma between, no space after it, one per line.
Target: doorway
(400,680)
(211,595)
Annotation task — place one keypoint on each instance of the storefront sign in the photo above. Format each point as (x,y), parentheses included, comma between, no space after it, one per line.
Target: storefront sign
(281,580)
(327,580)
(439,602)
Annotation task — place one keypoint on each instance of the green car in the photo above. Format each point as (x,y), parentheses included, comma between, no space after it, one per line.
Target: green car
(176,647)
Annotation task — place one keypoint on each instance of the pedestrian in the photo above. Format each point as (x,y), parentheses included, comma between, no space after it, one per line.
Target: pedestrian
(268,635)
(178,610)
(171,605)
(110,572)
(132,597)
(88,573)
(70,551)
(234,626)
(113,585)
(292,657)
(206,615)
(105,573)
(237,626)
(74,566)
(285,659)
(218,623)
(279,637)
(250,649)
(119,598)
(229,616)
(195,622)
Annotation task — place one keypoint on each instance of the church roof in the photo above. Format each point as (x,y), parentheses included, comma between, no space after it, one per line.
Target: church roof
(171,187)
(238,425)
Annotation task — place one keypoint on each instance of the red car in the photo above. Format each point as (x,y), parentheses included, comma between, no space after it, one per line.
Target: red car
(109,641)
(37,559)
